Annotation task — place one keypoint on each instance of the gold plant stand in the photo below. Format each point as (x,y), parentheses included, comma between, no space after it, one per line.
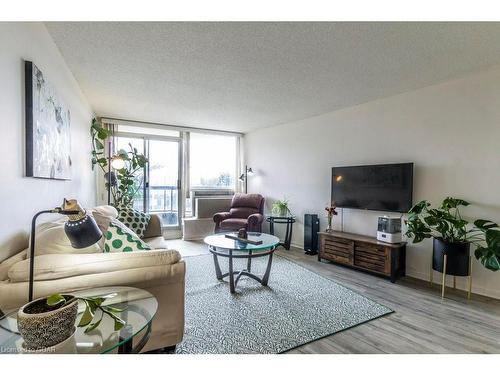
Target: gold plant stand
(443,282)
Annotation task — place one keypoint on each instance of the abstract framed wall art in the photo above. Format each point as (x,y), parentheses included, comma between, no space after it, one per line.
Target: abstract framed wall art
(48,136)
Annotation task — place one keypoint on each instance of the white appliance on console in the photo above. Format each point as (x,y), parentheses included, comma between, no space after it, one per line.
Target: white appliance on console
(389,229)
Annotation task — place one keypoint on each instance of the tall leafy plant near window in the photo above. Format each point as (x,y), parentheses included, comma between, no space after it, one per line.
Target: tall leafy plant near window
(126,182)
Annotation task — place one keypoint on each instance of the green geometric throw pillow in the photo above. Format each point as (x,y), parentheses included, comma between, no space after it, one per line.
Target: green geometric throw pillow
(119,238)
(134,219)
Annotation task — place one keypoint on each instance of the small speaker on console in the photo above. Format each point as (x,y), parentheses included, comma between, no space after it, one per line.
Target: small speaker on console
(311,229)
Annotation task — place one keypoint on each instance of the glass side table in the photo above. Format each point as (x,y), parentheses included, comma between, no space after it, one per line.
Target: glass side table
(288,220)
(140,309)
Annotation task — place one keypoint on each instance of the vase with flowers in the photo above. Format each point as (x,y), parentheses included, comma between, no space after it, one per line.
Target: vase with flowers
(331,212)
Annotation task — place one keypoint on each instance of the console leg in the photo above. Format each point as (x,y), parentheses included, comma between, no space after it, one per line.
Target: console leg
(445,258)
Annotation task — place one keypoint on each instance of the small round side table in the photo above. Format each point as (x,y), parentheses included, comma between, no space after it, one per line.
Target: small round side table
(288,220)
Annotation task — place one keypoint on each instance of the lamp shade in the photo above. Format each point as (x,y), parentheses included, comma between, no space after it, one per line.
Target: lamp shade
(83,232)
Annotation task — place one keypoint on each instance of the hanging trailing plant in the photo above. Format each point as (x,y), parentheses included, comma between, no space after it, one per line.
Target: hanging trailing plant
(124,183)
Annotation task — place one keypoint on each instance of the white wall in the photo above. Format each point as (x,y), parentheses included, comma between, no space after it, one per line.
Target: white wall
(21,197)
(450,131)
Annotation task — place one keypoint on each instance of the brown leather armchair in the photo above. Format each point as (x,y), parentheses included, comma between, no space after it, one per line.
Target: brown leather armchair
(246,212)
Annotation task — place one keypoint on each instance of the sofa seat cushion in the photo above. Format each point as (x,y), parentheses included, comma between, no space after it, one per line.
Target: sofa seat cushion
(156,242)
(8,263)
(135,220)
(233,223)
(119,238)
(58,266)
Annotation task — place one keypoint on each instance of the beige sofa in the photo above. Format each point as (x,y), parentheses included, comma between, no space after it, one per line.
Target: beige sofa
(161,272)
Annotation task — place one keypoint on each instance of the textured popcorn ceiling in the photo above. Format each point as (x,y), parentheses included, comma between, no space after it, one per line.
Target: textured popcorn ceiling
(243,76)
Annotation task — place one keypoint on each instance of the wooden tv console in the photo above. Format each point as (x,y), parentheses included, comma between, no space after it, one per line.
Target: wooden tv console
(363,253)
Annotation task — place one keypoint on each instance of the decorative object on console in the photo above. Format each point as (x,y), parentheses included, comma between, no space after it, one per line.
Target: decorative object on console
(242,233)
(452,238)
(389,229)
(81,230)
(244,177)
(246,212)
(311,229)
(364,253)
(48,321)
(48,135)
(123,183)
(330,212)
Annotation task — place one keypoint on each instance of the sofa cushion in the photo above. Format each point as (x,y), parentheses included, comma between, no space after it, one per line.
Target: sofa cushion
(8,263)
(52,266)
(119,238)
(51,239)
(135,220)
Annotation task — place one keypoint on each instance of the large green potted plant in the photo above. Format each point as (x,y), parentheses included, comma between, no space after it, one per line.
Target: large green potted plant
(126,183)
(452,236)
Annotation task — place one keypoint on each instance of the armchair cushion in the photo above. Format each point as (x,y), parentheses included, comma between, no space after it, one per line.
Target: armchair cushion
(232,224)
(220,216)
(58,266)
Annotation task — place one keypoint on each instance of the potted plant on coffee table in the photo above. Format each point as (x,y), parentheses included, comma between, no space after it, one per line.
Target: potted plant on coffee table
(453,235)
(49,321)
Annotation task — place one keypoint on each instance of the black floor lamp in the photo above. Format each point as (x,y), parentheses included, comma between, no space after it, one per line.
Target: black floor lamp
(80,228)
(244,177)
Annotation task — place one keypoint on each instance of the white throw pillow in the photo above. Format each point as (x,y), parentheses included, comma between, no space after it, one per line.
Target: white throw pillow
(51,239)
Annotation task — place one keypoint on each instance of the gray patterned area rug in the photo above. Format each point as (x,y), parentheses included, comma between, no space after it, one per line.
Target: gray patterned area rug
(298,306)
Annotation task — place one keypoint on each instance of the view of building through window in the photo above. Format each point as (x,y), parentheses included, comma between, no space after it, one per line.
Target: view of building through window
(212,166)
(212,161)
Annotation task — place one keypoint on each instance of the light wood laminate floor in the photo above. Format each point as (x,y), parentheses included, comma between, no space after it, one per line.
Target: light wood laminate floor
(422,321)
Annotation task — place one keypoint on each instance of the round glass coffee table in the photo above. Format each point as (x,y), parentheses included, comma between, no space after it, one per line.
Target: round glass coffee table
(140,308)
(221,246)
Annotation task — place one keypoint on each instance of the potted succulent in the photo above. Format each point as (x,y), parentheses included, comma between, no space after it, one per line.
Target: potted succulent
(280,208)
(452,236)
(49,321)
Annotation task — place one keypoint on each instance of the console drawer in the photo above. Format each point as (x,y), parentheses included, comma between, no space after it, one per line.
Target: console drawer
(337,250)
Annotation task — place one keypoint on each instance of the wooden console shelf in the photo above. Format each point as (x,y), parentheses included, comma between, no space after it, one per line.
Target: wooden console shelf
(363,253)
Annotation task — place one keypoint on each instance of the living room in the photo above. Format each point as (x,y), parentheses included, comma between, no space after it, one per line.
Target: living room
(298,187)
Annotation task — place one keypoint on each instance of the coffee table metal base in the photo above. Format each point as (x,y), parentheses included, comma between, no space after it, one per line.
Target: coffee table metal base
(245,272)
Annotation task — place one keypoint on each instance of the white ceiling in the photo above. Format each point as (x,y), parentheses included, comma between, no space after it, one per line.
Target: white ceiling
(244,76)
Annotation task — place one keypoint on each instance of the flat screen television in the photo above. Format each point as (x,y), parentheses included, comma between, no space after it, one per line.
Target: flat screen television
(382,187)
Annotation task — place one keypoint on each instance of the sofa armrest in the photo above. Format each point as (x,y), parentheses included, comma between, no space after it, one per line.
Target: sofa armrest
(154,227)
(59,266)
(221,216)
(255,219)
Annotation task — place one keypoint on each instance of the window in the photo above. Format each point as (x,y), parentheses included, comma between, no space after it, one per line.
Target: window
(212,161)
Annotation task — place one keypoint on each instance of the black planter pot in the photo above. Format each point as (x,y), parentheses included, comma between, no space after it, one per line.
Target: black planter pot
(458,254)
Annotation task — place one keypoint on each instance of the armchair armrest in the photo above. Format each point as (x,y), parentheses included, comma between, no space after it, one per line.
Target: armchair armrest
(255,219)
(58,266)
(220,216)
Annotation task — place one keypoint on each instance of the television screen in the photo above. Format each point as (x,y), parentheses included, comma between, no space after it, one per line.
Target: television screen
(384,187)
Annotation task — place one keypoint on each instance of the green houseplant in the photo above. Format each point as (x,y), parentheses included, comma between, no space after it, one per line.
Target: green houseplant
(453,235)
(126,182)
(280,208)
(48,321)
